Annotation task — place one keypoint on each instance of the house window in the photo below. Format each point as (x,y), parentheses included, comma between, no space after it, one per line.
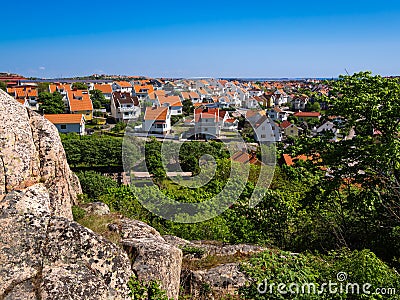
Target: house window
(273,127)
(263,136)
(291,131)
(63,126)
(205,129)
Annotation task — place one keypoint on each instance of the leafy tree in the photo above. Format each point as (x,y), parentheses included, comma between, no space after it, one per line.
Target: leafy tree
(313,106)
(3,86)
(79,86)
(94,184)
(119,127)
(358,205)
(51,103)
(43,87)
(188,107)
(98,99)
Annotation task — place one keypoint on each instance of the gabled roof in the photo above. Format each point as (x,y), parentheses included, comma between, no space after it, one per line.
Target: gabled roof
(124,84)
(171,100)
(79,100)
(65,118)
(104,88)
(190,95)
(156,113)
(285,124)
(244,157)
(144,89)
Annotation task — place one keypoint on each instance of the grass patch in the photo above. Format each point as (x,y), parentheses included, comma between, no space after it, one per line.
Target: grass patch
(99,224)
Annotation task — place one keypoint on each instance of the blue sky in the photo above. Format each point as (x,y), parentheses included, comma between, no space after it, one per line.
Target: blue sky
(200,38)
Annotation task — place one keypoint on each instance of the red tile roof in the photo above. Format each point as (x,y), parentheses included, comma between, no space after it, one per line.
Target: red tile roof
(156,113)
(171,100)
(104,88)
(65,118)
(309,114)
(79,100)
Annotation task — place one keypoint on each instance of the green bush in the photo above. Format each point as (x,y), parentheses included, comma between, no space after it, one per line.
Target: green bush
(140,290)
(77,212)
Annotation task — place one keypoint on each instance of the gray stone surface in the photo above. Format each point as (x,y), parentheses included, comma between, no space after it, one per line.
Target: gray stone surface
(152,257)
(96,208)
(55,258)
(31,152)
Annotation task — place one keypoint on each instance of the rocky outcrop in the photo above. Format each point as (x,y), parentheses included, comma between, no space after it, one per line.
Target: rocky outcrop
(31,152)
(96,208)
(213,283)
(152,257)
(43,253)
(47,257)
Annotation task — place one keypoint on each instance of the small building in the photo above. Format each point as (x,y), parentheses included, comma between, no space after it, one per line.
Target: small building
(267,131)
(289,129)
(67,123)
(173,102)
(122,86)
(79,103)
(307,115)
(277,114)
(105,89)
(124,107)
(157,120)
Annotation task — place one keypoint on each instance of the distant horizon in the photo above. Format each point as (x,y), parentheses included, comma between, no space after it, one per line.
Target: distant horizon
(224,39)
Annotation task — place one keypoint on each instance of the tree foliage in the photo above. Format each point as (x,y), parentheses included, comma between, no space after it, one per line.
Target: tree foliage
(98,99)
(51,103)
(79,86)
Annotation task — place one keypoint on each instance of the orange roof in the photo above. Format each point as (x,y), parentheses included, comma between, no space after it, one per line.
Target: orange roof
(244,157)
(171,100)
(79,100)
(65,118)
(156,93)
(307,114)
(156,113)
(124,84)
(144,89)
(104,88)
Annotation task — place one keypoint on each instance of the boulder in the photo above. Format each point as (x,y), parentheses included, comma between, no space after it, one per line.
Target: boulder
(152,257)
(96,208)
(213,283)
(50,257)
(31,152)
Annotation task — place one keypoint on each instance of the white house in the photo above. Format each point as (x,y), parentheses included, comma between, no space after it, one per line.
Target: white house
(276,114)
(125,107)
(105,89)
(267,131)
(208,123)
(157,120)
(122,86)
(173,102)
(67,123)
(299,103)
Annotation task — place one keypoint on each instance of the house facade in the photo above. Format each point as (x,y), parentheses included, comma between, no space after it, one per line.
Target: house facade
(68,123)
(157,120)
(124,107)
